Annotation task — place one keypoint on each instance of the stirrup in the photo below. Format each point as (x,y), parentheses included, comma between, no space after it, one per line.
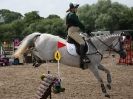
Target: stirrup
(81,63)
(86,60)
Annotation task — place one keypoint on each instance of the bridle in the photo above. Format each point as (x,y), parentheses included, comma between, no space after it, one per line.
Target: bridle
(112,47)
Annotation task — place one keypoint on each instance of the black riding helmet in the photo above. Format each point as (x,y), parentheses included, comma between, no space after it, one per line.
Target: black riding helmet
(71,6)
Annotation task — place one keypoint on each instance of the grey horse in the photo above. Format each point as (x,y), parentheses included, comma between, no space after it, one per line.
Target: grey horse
(45,46)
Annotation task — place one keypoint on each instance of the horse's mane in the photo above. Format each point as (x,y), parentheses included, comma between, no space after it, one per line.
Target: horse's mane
(103,37)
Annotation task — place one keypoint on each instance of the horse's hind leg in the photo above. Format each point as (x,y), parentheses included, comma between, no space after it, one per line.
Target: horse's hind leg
(94,70)
(109,80)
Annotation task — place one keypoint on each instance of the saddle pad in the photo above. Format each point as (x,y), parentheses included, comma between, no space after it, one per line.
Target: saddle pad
(71,49)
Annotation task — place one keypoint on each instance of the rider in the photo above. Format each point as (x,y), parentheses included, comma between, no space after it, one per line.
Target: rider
(74,27)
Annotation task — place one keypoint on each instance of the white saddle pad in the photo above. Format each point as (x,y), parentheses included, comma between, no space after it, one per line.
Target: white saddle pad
(71,49)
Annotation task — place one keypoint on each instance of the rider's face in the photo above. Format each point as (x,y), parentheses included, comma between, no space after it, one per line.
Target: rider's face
(75,10)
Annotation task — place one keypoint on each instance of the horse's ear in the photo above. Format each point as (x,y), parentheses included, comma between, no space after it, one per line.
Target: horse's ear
(122,34)
(122,37)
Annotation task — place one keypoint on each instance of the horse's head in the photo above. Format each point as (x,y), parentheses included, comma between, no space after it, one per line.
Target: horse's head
(118,46)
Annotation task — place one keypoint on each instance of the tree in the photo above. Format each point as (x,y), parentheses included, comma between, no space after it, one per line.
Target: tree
(103,22)
(18,26)
(53,26)
(31,17)
(131,18)
(88,15)
(105,15)
(103,6)
(53,16)
(9,16)
(5,31)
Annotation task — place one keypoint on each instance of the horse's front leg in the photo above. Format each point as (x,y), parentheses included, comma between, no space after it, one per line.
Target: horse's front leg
(94,70)
(109,80)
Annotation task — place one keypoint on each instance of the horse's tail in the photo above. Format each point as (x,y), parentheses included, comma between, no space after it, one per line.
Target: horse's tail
(27,41)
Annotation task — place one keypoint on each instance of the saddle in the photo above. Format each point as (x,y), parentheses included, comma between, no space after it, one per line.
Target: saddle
(77,47)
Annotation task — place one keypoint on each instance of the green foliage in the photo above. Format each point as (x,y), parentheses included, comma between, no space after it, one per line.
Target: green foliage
(53,16)
(103,21)
(31,17)
(5,28)
(103,6)
(104,15)
(55,26)
(88,15)
(9,16)
(48,25)
(18,26)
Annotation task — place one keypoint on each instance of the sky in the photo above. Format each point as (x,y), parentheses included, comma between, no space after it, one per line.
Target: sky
(47,7)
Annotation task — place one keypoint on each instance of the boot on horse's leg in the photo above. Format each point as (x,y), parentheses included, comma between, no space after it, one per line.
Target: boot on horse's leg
(82,56)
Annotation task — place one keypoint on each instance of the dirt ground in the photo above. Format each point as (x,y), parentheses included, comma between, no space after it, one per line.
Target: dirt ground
(22,81)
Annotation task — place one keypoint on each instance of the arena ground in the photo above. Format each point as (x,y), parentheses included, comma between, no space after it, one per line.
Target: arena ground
(22,81)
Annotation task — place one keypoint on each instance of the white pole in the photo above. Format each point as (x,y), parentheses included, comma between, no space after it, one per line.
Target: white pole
(58,69)
(113,60)
(47,67)
(1,50)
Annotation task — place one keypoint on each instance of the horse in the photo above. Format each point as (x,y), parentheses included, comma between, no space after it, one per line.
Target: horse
(45,46)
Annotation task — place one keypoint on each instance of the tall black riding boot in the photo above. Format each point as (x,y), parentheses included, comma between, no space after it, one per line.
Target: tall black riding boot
(82,55)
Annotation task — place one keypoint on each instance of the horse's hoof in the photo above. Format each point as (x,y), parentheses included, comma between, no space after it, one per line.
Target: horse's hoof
(36,65)
(42,77)
(107,95)
(62,89)
(109,86)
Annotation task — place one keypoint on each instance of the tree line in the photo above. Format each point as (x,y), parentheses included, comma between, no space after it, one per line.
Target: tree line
(104,15)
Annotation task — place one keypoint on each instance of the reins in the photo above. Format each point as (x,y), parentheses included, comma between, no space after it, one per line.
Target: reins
(97,51)
(110,46)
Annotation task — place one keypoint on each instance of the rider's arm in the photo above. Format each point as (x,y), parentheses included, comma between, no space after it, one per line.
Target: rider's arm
(75,21)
